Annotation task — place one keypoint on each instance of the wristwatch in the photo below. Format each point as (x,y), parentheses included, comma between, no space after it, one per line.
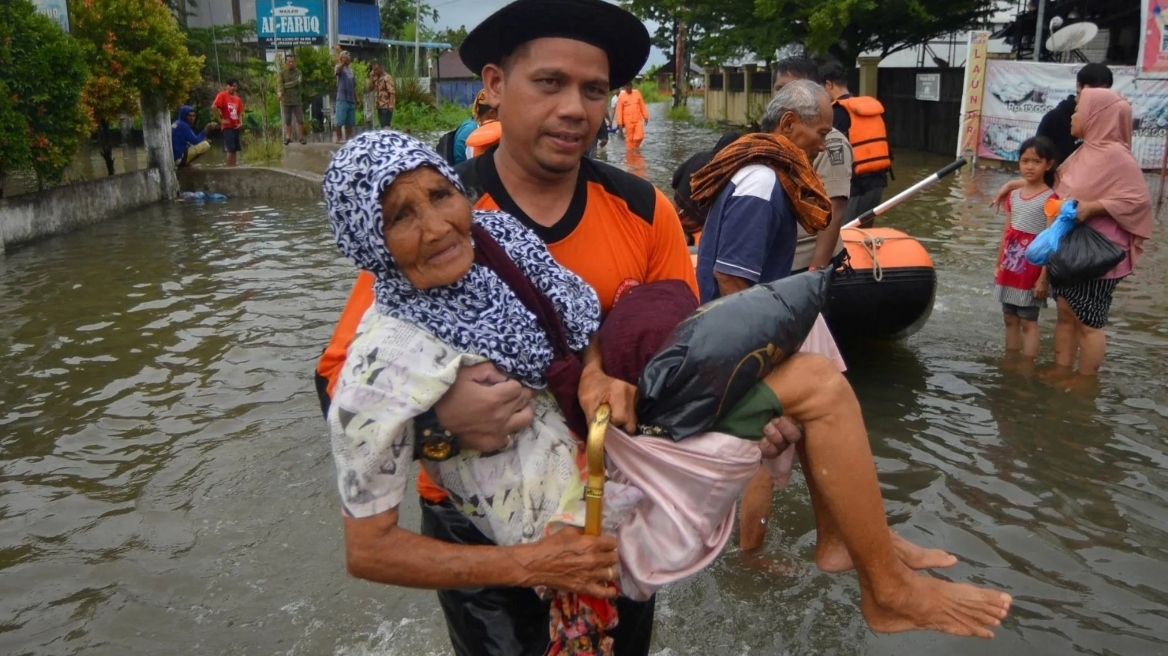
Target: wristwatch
(432,441)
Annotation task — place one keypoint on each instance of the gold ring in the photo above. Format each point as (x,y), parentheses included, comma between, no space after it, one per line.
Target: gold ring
(611,572)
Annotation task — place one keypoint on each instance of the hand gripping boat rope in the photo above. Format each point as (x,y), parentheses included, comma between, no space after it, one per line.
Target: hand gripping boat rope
(594,489)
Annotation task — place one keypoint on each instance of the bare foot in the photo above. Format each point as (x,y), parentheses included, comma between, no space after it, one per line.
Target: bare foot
(922,603)
(832,556)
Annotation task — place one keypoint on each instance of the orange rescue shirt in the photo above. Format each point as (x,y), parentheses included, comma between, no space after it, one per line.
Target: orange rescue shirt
(619,231)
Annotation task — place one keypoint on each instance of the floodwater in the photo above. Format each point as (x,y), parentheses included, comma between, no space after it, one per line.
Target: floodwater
(166,485)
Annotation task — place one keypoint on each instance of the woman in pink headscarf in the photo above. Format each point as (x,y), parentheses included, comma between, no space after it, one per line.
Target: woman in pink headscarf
(1113,199)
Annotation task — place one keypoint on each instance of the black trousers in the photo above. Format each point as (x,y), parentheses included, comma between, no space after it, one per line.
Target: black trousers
(514,621)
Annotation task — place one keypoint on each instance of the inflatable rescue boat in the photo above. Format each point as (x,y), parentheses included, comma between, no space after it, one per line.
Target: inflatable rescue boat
(887,289)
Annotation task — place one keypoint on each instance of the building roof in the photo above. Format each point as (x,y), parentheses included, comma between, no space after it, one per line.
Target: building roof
(667,69)
(450,67)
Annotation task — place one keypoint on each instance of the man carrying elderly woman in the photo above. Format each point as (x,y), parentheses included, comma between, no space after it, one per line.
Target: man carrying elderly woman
(456,288)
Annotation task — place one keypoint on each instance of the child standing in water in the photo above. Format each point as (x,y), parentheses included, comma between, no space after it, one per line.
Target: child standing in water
(1022,287)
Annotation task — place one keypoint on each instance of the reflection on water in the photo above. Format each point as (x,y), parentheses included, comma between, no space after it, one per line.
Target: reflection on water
(164,470)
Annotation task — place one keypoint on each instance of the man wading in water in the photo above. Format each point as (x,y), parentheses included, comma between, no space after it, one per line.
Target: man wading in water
(547,65)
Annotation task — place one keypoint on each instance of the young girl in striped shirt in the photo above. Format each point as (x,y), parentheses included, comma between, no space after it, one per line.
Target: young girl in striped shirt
(1022,287)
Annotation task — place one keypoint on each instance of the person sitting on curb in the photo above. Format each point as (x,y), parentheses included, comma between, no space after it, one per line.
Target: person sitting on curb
(184,142)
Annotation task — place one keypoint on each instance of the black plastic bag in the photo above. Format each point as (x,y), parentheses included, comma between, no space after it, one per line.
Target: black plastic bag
(1083,254)
(724,348)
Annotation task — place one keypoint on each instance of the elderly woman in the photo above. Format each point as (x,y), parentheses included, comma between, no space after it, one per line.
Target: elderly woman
(455,286)
(1113,199)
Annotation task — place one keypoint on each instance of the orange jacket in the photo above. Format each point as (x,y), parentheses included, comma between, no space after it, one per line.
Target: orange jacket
(484,137)
(868,136)
(630,108)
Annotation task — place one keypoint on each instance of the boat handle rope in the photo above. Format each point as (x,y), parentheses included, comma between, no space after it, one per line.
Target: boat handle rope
(872,244)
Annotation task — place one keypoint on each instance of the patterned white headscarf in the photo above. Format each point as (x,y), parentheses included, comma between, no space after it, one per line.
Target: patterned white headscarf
(478,314)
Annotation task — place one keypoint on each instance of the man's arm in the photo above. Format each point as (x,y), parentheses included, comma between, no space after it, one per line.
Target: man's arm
(728,284)
(377,549)
(668,253)
(828,238)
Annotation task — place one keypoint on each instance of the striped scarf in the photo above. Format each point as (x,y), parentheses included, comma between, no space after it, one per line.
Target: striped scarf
(803,187)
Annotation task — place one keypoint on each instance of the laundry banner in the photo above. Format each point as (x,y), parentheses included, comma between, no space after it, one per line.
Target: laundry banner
(1153,57)
(972,92)
(1018,94)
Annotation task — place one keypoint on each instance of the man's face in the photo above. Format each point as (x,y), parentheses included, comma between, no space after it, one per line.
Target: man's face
(377,69)
(783,80)
(233,87)
(190,118)
(551,100)
(290,63)
(810,137)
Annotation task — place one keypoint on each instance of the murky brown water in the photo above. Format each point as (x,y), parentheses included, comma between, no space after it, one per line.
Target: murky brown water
(166,485)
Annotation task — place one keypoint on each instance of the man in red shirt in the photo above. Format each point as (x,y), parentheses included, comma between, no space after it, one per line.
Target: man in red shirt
(229,108)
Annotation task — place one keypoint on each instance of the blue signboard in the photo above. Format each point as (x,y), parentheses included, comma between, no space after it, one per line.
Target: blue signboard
(291,22)
(54,9)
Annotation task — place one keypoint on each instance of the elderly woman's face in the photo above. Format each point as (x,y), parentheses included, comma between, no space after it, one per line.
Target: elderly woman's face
(427,228)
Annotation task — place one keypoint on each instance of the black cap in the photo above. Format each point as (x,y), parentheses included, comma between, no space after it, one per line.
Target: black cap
(615,31)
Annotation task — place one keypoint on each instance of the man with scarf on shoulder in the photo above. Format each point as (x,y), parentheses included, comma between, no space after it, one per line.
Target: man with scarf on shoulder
(758,189)
(762,189)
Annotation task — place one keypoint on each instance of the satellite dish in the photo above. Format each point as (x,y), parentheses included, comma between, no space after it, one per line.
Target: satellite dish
(1072,37)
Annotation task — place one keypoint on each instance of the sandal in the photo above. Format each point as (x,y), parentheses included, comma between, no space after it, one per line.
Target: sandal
(303,141)
(287,141)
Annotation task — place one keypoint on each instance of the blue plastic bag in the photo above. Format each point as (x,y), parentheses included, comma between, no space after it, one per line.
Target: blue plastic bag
(1047,241)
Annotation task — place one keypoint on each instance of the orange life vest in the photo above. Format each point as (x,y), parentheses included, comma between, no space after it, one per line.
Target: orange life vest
(867,135)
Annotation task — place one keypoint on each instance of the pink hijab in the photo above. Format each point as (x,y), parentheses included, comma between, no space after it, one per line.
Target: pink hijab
(1103,168)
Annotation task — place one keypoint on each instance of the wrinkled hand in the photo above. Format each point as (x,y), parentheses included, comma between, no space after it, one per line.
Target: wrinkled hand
(570,561)
(779,435)
(1042,287)
(597,388)
(483,407)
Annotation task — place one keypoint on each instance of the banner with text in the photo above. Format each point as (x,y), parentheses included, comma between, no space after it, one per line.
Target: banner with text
(291,22)
(1153,57)
(1019,93)
(57,10)
(971,93)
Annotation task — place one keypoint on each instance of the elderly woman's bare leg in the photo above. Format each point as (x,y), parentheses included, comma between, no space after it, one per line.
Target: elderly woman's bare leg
(1066,343)
(839,460)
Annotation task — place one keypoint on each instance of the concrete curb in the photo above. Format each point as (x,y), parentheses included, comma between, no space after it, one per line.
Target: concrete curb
(252,182)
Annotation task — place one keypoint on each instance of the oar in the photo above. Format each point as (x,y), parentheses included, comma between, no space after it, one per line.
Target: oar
(871,214)
(594,490)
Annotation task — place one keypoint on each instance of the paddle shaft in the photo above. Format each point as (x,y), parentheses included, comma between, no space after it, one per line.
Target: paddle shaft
(907,193)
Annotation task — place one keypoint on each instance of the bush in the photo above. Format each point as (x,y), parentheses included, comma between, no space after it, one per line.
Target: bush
(648,89)
(42,74)
(679,113)
(417,117)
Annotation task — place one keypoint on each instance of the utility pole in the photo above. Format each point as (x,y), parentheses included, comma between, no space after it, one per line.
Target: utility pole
(1038,29)
(680,70)
(417,37)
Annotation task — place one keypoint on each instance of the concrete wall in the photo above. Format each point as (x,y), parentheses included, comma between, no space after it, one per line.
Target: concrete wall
(252,182)
(28,217)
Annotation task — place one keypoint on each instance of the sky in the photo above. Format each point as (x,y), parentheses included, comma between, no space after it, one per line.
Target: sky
(452,13)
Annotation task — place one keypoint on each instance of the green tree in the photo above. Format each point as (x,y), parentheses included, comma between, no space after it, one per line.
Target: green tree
(842,28)
(42,72)
(452,36)
(397,18)
(134,47)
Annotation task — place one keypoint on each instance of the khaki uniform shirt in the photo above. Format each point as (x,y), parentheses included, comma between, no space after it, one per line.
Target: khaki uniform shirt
(834,166)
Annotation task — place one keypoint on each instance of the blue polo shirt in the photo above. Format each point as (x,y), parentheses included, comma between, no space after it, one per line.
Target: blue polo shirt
(750,232)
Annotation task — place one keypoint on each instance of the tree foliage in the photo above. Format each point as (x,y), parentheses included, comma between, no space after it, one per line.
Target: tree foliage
(397,18)
(453,36)
(134,47)
(728,29)
(42,71)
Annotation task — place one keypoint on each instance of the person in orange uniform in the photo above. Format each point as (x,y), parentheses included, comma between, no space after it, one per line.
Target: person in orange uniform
(547,66)
(632,114)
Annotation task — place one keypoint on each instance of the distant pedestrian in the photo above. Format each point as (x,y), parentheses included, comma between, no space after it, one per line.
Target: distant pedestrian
(384,95)
(288,83)
(1056,124)
(859,117)
(632,114)
(184,142)
(229,107)
(345,114)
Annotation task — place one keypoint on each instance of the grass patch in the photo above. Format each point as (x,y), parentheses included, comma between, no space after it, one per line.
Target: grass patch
(648,89)
(412,116)
(680,113)
(260,148)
